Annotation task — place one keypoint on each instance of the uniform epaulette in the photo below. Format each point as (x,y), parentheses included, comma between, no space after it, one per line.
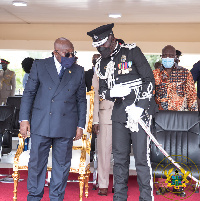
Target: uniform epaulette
(129,46)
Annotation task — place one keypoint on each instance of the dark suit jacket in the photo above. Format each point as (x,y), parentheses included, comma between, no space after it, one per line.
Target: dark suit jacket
(88,79)
(196,76)
(58,107)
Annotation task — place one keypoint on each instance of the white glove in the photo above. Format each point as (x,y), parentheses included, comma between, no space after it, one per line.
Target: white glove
(119,90)
(134,112)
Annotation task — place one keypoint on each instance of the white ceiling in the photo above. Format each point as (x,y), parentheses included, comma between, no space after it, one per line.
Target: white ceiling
(96,11)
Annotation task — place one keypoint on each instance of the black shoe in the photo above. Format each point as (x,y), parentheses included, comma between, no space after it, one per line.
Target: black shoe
(161,191)
(181,193)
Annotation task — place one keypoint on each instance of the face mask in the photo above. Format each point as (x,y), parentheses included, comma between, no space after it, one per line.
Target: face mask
(0,66)
(104,51)
(167,62)
(67,62)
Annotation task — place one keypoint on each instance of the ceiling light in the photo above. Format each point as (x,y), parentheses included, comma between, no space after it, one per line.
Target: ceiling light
(19,3)
(115,15)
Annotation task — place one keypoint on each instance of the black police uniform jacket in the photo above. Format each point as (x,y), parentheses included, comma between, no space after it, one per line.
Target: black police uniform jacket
(129,65)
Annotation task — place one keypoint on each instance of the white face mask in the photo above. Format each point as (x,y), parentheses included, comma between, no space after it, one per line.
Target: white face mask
(168,62)
(0,66)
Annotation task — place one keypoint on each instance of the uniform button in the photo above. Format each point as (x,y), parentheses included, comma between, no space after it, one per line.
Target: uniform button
(49,88)
(68,89)
(50,113)
(52,101)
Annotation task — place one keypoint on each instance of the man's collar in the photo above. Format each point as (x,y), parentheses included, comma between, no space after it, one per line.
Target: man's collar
(56,61)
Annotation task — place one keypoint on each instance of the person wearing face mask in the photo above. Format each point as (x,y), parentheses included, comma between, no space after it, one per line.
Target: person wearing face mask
(7,81)
(174,90)
(55,97)
(174,85)
(126,78)
(89,74)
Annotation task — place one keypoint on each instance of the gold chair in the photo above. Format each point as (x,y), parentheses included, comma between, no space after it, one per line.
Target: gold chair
(80,162)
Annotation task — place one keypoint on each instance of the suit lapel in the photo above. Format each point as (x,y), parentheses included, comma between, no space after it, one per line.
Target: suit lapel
(68,74)
(51,69)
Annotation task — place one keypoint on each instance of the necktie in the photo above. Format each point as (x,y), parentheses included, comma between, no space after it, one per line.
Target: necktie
(61,72)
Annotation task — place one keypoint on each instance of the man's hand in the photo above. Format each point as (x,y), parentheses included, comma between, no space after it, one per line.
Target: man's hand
(79,133)
(25,129)
(95,129)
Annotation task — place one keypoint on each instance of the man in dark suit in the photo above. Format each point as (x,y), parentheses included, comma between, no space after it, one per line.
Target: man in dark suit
(126,78)
(55,94)
(89,74)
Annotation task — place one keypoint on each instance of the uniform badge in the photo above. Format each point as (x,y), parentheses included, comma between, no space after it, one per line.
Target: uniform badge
(69,71)
(124,67)
(123,58)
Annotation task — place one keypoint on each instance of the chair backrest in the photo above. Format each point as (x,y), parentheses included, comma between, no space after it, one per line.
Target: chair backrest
(6,118)
(15,101)
(179,134)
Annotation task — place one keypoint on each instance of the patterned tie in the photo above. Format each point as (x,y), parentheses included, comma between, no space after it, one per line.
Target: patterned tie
(61,73)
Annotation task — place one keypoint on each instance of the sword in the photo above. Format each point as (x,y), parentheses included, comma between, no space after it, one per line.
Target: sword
(147,130)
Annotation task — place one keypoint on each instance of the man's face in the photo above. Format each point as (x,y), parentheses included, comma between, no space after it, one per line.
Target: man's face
(94,58)
(62,49)
(4,66)
(169,52)
(108,42)
(107,48)
(168,56)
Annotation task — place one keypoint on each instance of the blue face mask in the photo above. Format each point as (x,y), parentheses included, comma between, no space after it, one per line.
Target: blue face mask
(167,62)
(67,62)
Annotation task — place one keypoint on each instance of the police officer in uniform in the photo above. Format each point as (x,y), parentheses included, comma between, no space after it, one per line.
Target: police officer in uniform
(7,82)
(126,78)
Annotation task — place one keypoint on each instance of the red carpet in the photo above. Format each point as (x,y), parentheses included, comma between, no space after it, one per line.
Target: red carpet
(72,191)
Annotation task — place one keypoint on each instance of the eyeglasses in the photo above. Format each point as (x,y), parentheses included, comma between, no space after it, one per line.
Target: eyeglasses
(67,54)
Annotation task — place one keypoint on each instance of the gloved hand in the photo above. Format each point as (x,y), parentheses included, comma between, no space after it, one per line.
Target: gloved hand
(134,112)
(119,90)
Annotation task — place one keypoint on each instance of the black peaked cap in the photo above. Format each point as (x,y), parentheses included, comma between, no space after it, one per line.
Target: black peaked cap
(101,32)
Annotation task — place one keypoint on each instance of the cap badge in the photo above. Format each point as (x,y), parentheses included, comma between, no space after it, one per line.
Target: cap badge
(95,37)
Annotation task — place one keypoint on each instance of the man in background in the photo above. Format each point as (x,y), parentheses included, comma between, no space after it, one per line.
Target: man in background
(178,54)
(157,65)
(174,85)
(7,82)
(102,127)
(26,65)
(174,90)
(89,74)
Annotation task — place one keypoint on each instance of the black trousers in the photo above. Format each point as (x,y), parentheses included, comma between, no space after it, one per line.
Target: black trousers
(121,146)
